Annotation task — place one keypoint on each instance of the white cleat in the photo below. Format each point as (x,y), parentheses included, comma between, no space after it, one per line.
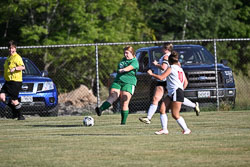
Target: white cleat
(145,120)
(186,132)
(197,109)
(162,132)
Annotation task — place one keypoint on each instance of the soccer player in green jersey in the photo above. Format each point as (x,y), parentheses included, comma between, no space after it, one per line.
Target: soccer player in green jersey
(123,85)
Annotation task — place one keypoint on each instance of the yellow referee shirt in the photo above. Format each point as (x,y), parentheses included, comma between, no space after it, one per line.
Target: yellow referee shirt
(11,62)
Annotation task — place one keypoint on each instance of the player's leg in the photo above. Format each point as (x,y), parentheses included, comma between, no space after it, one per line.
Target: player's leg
(125,99)
(195,106)
(17,112)
(159,92)
(178,98)
(176,106)
(4,92)
(2,97)
(127,90)
(14,89)
(114,93)
(163,116)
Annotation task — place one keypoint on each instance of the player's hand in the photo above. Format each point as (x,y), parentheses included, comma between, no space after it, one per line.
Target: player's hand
(121,70)
(13,69)
(155,62)
(150,72)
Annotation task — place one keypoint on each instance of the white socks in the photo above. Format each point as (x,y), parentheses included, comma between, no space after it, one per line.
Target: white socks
(151,111)
(188,103)
(182,123)
(164,121)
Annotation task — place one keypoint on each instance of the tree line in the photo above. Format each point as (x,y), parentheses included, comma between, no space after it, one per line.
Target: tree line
(50,22)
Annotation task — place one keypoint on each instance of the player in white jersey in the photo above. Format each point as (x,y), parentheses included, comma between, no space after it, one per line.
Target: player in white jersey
(176,83)
(160,88)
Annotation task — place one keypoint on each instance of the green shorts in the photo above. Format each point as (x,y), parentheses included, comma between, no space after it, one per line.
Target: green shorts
(123,87)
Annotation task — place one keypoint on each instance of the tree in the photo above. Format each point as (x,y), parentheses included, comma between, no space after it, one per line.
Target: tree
(52,22)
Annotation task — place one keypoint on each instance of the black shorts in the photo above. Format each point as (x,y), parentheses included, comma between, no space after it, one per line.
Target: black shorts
(163,84)
(11,89)
(178,95)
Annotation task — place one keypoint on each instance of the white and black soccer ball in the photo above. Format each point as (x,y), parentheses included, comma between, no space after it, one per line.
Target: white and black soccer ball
(88,121)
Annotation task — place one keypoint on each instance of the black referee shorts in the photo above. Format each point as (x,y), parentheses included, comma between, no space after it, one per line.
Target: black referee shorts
(11,89)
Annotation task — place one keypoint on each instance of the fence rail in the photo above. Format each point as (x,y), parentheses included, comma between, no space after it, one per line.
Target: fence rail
(94,72)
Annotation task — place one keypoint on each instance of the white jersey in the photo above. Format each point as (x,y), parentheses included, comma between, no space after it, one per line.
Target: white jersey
(175,79)
(161,61)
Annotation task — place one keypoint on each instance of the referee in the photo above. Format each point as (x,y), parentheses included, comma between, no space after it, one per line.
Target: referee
(13,67)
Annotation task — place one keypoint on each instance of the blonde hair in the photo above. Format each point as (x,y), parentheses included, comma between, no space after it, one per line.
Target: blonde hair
(130,49)
(168,46)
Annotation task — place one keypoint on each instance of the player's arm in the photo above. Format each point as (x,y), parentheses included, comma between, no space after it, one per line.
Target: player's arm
(126,69)
(185,82)
(162,76)
(19,68)
(164,64)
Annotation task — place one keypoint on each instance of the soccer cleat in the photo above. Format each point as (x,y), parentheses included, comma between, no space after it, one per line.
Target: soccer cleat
(98,111)
(145,120)
(162,132)
(21,117)
(186,132)
(14,115)
(197,109)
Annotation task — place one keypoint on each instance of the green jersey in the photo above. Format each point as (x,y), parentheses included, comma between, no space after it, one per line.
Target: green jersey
(127,77)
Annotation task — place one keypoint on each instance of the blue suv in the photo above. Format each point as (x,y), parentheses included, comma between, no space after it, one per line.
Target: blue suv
(38,94)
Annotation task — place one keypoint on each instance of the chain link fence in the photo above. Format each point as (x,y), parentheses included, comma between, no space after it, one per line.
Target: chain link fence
(82,74)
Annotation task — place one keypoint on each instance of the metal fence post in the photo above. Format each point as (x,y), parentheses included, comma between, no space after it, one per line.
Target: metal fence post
(97,75)
(216,77)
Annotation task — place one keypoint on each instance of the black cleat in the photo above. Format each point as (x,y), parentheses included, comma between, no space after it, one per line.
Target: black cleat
(14,115)
(98,111)
(21,117)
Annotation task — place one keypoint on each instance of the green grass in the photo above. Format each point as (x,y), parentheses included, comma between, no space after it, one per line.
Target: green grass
(217,139)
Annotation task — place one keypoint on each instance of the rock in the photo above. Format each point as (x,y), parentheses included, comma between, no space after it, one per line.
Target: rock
(79,97)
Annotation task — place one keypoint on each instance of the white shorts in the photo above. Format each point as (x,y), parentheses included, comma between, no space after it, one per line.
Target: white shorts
(177,95)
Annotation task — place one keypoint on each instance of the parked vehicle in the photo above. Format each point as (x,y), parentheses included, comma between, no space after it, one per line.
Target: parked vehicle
(38,95)
(199,66)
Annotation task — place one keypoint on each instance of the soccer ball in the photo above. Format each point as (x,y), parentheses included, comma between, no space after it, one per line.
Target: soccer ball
(88,121)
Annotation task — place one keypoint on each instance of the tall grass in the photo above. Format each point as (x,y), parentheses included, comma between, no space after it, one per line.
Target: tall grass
(217,139)
(242,91)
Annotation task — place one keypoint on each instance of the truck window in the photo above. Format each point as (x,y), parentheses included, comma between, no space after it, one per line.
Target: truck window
(157,54)
(143,61)
(194,56)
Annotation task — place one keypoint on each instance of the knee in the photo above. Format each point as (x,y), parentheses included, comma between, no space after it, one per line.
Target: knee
(112,97)
(2,97)
(18,106)
(175,116)
(15,102)
(156,99)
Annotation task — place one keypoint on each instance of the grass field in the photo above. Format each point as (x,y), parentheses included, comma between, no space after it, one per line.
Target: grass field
(217,139)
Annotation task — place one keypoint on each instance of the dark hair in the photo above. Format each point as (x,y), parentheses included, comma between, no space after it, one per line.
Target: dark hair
(11,44)
(173,58)
(168,46)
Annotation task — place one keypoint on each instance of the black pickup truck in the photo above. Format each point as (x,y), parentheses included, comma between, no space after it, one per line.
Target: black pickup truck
(199,66)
